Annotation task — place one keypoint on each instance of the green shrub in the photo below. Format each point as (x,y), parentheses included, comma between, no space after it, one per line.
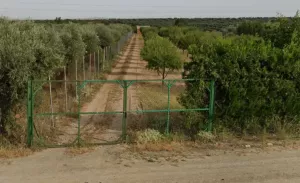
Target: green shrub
(148,136)
(205,137)
(254,81)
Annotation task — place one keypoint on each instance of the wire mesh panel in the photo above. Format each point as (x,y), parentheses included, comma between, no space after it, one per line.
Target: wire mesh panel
(159,104)
(101,111)
(101,116)
(54,112)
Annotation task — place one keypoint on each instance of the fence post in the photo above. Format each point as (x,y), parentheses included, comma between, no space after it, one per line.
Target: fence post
(90,66)
(98,61)
(94,66)
(103,61)
(66,91)
(78,112)
(124,119)
(83,68)
(76,77)
(211,105)
(51,103)
(29,113)
(168,117)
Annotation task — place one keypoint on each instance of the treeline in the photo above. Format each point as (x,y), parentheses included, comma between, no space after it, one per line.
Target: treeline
(257,77)
(279,32)
(36,51)
(210,24)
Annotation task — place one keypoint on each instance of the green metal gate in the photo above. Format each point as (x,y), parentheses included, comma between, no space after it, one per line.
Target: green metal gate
(47,127)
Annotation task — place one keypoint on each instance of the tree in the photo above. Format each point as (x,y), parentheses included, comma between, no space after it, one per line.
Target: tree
(162,56)
(105,35)
(180,22)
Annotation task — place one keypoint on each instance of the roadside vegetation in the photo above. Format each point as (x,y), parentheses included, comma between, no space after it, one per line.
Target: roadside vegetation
(256,71)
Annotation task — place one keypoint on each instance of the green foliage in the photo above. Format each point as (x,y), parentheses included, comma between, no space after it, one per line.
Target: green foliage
(90,38)
(104,34)
(250,28)
(207,24)
(254,81)
(162,56)
(73,41)
(149,136)
(36,51)
(279,32)
(173,33)
(149,32)
(205,137)
(26,51)
(180,22)
(183,37)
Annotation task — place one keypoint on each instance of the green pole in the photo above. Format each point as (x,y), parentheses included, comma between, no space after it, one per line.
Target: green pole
(78,112)
(98,60)
(124,119)
(29,114)
(169,104)
(211,105)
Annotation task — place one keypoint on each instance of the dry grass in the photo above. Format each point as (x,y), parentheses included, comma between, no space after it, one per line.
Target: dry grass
(14,152)
(76,151)
(157,147)
(152,140)
(155,96)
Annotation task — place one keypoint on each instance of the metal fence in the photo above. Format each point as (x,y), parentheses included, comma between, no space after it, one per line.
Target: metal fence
(115,107)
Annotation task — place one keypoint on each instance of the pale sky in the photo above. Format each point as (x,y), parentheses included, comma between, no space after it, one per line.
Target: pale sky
(49,9)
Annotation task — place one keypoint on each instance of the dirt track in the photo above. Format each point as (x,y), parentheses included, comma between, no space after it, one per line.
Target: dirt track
(113,164)
(110,97)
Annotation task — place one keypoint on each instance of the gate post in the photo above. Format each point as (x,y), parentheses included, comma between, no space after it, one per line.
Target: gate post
(169,85)
(29,113)
(78,93)
(124,119)
(211,105)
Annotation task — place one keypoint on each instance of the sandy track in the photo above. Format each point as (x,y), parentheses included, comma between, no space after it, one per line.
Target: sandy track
(113,164)
(130,66)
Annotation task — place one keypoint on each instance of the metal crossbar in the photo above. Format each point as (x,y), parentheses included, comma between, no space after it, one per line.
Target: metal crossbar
(125,84)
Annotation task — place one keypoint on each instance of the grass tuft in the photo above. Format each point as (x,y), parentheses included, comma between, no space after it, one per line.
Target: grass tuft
(14,152)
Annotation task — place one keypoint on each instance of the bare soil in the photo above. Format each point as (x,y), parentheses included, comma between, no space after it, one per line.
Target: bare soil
(118,163)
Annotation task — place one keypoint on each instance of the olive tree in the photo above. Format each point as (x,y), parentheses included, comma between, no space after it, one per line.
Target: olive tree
(161,55)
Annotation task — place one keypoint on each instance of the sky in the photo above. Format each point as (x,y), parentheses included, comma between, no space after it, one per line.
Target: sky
(49,9)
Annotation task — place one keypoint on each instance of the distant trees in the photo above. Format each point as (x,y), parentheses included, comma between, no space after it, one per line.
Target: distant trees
(180,22)
(279,31)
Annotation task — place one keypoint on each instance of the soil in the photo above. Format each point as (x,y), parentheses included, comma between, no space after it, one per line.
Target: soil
(118,164)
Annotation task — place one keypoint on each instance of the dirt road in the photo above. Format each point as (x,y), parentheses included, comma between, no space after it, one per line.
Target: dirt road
(129,66)
(114,164)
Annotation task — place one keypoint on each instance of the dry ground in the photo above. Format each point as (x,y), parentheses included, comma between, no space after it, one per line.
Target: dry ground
(119,163)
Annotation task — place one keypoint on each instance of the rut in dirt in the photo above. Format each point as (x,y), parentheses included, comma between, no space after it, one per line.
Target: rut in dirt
(107,127)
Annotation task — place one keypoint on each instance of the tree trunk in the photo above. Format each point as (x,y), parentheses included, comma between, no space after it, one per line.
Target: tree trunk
(163,75)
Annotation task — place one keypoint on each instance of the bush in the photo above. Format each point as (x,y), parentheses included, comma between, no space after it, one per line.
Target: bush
(254,81)
(205,137)
(148,136)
